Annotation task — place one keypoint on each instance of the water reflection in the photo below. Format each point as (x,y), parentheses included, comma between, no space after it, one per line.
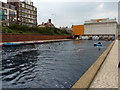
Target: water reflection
(51,65)
(78,42)
(15,66)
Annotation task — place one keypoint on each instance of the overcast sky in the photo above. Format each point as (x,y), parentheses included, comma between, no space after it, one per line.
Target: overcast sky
(74,12)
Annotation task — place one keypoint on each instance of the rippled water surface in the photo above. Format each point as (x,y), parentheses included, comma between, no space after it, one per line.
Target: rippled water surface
(50,65)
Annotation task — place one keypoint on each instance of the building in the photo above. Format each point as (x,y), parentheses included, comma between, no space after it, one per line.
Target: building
(119,20)
(101,27)
(69,30)
(65,28)
(78,30)
(8,14)
(26,12)
(47,24)
(119,12)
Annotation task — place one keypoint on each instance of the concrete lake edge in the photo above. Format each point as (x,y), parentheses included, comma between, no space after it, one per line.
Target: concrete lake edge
(85,81)
(36,42)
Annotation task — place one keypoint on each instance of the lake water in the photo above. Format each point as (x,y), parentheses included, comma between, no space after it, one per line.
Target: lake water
(50,65)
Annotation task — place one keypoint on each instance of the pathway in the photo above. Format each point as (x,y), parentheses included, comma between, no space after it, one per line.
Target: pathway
(107,76)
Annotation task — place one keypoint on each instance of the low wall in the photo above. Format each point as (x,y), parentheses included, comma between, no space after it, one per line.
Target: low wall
(85,81)
(30,37)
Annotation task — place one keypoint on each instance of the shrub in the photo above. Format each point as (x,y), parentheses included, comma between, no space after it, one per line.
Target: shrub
(15,28)
(6,30)
(9,31)
(20,32)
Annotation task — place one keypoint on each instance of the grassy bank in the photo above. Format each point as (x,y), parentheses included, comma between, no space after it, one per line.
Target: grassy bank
(18,29)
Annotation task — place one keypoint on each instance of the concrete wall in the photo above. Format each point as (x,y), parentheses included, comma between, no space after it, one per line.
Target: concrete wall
(101,29)
(29,37)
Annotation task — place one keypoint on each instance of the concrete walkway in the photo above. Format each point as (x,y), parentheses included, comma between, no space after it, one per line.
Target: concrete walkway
(107,76)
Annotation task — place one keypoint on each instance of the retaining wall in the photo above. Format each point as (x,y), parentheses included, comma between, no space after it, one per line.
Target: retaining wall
(30,37)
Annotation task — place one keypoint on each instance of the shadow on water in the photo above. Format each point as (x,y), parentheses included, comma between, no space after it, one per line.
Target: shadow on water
(51,65)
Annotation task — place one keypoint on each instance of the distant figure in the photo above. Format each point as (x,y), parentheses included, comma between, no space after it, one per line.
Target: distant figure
(99,49)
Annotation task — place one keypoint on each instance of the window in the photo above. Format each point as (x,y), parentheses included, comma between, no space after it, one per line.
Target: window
(26,6)
(28,16)
(30,7)
(32,12)
(28,11)
(5,17)
(6,5)
(24,15)
(0,14)
(27,20)
(0,11)
(31,3)
(30,20)
(11,13)
(20,5)
(0,4)
(23,20)
(23,5)
(12,7)
(5,11)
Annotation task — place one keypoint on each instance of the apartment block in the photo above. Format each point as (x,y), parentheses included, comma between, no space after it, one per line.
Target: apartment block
(8,14)
(26,12)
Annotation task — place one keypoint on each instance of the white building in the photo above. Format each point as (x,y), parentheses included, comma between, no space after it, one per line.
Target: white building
(101,27)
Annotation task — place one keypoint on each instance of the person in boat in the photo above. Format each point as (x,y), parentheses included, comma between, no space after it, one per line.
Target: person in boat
(99,43)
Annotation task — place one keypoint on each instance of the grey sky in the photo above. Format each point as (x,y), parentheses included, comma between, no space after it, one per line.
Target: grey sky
(68,13)
(73,12)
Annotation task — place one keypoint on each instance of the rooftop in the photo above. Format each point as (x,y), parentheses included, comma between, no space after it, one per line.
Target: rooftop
(104,20)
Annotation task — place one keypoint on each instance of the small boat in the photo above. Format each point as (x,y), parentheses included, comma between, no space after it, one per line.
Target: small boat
(11,44)
(98,44)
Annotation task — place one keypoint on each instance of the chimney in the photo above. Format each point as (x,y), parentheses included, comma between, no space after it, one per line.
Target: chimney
(49,20)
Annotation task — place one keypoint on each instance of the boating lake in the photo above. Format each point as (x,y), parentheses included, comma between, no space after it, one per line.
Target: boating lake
(49,65)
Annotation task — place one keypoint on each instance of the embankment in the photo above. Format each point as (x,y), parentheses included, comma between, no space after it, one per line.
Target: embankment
(30,37)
